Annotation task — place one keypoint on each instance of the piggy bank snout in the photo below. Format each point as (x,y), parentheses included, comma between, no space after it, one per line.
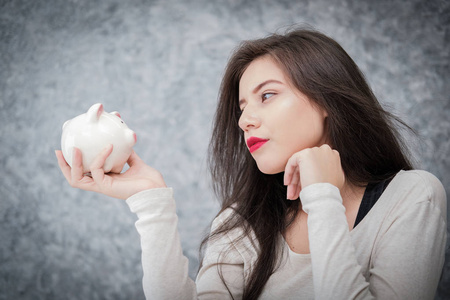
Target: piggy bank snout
(132,137)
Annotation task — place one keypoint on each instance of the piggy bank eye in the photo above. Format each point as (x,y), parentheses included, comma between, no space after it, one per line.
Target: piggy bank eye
(121,122)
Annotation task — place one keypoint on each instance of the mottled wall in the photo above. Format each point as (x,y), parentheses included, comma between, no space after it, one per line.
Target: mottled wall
(160,63)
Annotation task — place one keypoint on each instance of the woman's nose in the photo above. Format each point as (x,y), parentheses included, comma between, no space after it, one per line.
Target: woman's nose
(249,119)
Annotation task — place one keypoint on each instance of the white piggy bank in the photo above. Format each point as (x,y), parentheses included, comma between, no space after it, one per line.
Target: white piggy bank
(92,132)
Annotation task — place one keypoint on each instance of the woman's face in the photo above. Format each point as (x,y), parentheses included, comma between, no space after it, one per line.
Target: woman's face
(277,119)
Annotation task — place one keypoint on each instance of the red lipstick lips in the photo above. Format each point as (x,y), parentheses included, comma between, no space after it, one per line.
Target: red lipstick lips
(254,143)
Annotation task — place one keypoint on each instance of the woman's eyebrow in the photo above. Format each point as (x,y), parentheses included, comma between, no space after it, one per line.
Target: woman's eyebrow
(260,86)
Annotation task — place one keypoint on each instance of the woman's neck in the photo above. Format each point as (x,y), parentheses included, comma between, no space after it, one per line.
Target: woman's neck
(351,199)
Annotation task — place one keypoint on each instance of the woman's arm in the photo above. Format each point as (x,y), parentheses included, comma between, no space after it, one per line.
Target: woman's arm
(164,265)
(407,257)
(336,273)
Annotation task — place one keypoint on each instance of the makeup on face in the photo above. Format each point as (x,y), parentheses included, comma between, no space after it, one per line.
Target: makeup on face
(254,143)
(277,119)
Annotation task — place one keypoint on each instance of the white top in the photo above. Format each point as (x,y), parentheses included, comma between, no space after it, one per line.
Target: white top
(396,252)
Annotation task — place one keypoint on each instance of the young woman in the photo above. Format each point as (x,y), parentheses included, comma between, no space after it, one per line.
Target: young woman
(319,199)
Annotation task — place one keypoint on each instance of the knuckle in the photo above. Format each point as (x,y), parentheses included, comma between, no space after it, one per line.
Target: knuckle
(308,150)
(93,164)
(73,184)
(325,147)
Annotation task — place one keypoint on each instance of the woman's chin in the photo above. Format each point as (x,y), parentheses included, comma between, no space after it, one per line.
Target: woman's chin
(270,169)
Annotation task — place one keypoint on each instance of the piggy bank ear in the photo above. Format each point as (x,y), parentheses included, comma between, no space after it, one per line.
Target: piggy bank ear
(116,113)
(95,112)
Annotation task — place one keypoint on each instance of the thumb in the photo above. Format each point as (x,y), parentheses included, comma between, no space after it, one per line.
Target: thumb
(134,159)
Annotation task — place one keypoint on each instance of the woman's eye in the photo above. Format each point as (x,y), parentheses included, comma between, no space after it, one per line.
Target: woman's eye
(266,96)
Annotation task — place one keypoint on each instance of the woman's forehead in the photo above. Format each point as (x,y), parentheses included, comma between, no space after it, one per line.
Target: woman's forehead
(259,71)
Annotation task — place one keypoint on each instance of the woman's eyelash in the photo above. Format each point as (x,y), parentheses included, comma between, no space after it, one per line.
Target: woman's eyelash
(266,96)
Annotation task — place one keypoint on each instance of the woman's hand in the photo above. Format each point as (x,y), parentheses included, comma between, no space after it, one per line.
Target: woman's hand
(313,165)
(137,178)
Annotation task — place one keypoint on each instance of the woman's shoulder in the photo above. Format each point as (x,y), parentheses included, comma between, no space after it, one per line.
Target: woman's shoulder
(230,220)
(223,217)
(232,244)
(420,180)
(418,186)
(419,176)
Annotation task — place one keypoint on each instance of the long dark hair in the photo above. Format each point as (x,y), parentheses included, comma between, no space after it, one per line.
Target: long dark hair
(357,126)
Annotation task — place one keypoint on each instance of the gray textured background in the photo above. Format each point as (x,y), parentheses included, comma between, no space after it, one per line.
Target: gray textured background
(160,64)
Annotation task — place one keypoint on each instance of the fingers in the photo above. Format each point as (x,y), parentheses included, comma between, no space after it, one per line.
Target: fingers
(292,177)
(297,191)
(295,184)
(65,168)
(290,169)
(77,166)
(74,175)
(293,191)
(313,165)
(97,172)
(133,159)
(120,186)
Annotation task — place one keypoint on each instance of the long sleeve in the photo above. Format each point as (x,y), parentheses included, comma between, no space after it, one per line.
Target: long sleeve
(164,265)
(408,253)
